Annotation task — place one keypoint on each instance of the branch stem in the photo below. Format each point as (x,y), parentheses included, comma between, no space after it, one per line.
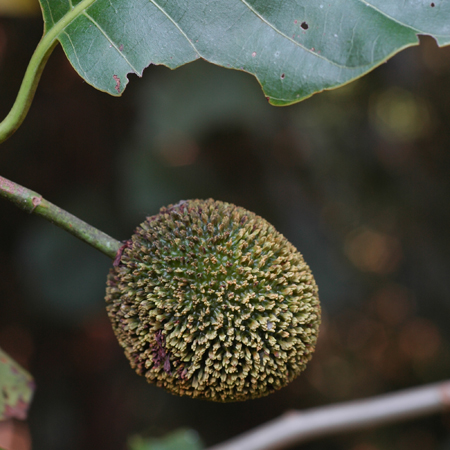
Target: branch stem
(300,426)
(33,203)
(34,70)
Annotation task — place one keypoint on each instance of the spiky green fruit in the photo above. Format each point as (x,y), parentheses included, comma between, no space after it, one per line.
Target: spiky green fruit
(209,300)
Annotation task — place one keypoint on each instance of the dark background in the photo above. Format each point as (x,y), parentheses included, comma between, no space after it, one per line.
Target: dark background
(357,179)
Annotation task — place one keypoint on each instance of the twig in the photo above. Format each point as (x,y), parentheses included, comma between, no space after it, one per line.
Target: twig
(296,426)
(32,202)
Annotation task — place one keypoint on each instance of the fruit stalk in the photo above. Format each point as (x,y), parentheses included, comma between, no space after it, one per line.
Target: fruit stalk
(33,203)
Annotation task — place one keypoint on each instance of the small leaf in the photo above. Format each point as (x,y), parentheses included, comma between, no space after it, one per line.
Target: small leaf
(16,389)
(182,439)
(294,48)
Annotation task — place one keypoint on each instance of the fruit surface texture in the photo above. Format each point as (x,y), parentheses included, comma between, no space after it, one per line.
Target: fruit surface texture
(209,300)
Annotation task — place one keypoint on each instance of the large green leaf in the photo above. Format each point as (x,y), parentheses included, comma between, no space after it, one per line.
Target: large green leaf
(16,389)
(294,48)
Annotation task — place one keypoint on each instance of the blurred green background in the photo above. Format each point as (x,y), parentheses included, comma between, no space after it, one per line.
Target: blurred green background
(358,179)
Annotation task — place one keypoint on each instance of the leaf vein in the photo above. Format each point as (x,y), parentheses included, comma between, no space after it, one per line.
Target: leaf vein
(287,37)
(111,42)
(390,17)
(373,47)
(175,23)
(85,76)
(50,12)
(402,23)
